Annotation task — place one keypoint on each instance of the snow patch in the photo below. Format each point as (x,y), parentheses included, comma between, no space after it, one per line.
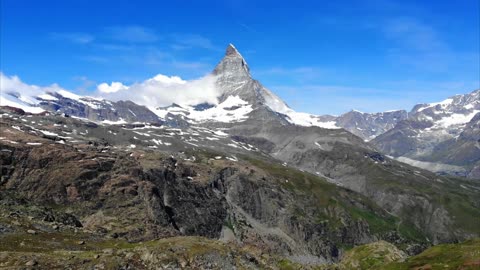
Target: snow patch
(297,118)
(444,103)
(47,97)
(70,95)
(455,119)
(233,109)
(11,101)
(48,133)
(119,122)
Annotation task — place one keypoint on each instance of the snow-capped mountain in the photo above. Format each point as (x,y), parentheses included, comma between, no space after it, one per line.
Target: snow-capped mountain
(239,96)
(424,136)
(62,101)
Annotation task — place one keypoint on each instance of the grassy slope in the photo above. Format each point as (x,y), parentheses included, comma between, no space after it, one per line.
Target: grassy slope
(384,256)
(79,250)
(371,255)
(464,256)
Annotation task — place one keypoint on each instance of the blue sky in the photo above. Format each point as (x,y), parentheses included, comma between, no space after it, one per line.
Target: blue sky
(319,56)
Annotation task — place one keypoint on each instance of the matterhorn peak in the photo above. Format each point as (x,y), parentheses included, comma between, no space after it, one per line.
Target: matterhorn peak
(234,79)
(232,63)
(232,51)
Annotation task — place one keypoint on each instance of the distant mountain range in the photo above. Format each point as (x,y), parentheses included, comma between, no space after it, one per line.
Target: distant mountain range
(443,137)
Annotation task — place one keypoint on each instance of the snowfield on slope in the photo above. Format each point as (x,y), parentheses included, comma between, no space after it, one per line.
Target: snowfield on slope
(297,118)
(233,109)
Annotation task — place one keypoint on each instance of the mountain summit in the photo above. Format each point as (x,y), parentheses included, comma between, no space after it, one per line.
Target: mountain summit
(234,80)
(233,76)
(240,98)
(231,50)
(232,63)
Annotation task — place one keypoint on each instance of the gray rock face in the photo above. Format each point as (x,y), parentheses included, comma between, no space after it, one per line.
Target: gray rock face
(233,77)
(167,202)
(286,222)
(369,125)
(190,208)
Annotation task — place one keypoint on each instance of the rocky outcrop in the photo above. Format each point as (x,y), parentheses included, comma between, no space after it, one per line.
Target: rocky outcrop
(369,125)
(116,185)
(264,216)
(371,256)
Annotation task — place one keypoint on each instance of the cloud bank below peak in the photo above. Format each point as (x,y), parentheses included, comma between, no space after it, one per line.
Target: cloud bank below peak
(13,85)
(163,90)
(159,91)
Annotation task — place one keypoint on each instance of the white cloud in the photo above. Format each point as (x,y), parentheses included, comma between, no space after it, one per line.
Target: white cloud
(163,90)
(13,84)
(112,88)
(15,93)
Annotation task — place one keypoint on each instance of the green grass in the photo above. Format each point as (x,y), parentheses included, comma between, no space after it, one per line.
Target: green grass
(228,223)
(285,264)
(370,256)
(410,232)
(377,224)
(385,256)
(465,214)
(142,255)
(464,255)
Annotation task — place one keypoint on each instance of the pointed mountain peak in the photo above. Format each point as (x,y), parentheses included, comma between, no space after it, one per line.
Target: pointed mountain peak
(232,51)
(233,62)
